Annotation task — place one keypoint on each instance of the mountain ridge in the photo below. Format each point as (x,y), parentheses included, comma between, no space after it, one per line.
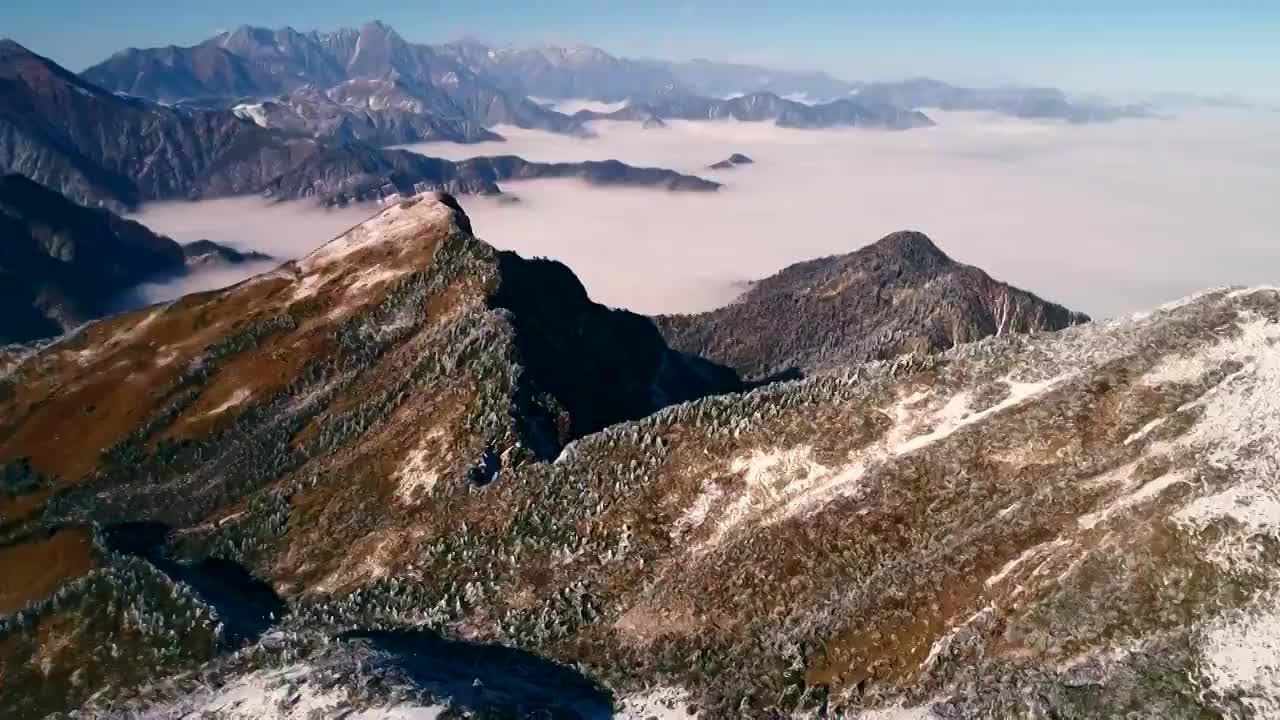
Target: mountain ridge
(64,264)
(98,148)
(382,483)
(900,294)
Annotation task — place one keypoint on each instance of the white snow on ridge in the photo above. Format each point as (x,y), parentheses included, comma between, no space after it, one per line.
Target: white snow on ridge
(1241,654)
(253,112)
(783,483)
(394,223)
(237,397)
(656,704)
(284,694)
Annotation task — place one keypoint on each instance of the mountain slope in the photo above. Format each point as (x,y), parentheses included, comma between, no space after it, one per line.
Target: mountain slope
(1073,524)
(378,112)
(899,295)
(62,264)
(406,361)
(99,148)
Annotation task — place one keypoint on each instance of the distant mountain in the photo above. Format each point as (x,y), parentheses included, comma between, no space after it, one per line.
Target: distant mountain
(348,174)
(99,148)
(732,161)
(377,112)
(207,253)
(718,79)
(763,106)
(256,64)
(899,295)
(62,264)
(588,72)
(1024,102)
(563,72)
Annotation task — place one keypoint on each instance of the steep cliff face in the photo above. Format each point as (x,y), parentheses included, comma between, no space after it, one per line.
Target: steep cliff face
(899,295)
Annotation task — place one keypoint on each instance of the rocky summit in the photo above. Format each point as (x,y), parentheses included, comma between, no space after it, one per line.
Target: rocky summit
(899,295)
(410,475)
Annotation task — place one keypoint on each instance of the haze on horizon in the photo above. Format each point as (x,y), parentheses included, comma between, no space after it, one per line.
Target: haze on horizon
(1090,46)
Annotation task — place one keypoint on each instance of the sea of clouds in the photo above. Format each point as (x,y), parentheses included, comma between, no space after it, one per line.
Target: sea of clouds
(1105,218)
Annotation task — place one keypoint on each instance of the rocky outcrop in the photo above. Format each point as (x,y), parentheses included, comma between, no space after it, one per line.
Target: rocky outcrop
(899,295)
(207,253)
(731,162)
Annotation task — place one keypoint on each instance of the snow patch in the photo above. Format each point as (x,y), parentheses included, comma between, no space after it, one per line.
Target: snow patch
(237,397)
(375,276)
(898,712)
(416,478)
(285,694)
(1255,335)
(1240,654)
(955,414)
(253,112)
(1144,431)
(391,226)
(1148,491)
(1009,566)
(661,703)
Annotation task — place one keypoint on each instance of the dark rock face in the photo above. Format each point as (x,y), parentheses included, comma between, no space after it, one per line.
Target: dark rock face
(899,295)
(62,264)
(603,365)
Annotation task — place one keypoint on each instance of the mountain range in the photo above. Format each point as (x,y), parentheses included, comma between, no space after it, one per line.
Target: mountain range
(62,264)
(104,149)
(419,475)
(359,83)
(762,106)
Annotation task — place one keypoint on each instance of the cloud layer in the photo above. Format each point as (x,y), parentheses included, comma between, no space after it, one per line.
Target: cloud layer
(1107,219)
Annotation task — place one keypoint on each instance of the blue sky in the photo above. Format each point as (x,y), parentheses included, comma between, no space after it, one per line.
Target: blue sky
(1207,46)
